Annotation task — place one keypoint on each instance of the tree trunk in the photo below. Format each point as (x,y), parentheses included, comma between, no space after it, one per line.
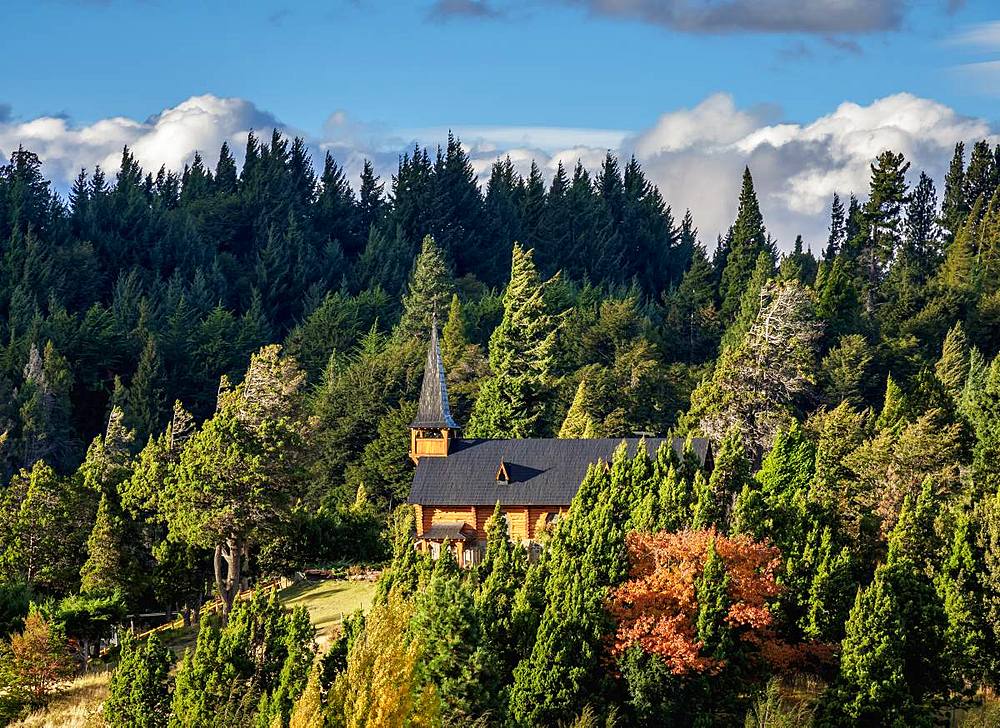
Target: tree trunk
(228,567)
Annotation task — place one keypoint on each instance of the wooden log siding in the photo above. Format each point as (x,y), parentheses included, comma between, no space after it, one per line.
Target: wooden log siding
(452,514)
(525,523)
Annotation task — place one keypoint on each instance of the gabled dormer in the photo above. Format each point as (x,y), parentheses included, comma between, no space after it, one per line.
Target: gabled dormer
(433,429)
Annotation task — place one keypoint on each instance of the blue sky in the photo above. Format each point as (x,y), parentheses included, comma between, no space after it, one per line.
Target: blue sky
(364,78)
(401,65)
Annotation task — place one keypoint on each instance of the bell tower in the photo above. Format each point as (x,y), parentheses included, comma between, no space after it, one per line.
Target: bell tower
(433,429)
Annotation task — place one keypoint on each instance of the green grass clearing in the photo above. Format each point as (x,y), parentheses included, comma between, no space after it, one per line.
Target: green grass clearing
(328,602)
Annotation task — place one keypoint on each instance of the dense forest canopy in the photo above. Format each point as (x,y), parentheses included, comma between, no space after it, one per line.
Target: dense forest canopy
(209,377)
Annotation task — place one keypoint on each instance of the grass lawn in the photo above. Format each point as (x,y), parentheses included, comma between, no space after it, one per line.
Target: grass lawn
(76,707)
(328,602)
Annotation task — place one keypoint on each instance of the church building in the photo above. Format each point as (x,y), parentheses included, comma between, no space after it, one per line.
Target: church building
(458,482)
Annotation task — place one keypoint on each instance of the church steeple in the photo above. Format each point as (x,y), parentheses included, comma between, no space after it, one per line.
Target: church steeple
(433,426)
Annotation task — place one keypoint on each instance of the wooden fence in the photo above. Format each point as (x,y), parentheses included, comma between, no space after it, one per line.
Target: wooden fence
(214,606)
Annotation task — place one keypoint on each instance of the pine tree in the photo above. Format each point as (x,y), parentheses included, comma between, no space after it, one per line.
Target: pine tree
(730,473)
(370,199)
(146,401)
(249,672)
(980,176)
(513,401)
(45,408)
(446,618)
(749,240)
(871,687)
(428,292)
(953,207)
(883,220)
(961,594)
(692,320)
(579,423)
(837,229)
(894,407)
(750,301)
(500,574)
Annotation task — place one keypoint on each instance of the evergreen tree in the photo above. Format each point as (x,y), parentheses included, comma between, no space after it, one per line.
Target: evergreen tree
(952,369)
(146,401)
(980,176)
(428,292)
(250,672)
(712,592)
(139,691)
(513,401)
(837,229)
(105,571)
(953,207)
(446,618)
(749,240)
(883,220)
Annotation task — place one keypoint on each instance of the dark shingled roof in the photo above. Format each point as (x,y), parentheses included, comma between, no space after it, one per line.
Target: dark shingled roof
(543,472)
(433,411)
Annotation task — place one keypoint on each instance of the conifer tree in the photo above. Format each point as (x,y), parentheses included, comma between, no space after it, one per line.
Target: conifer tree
(370,199)
(105,570)
(428,292)
(250,672)
(749,240)
(952,369)
(139,691)
(750,301)
(225,172)
(883,220)
(500,574)
(453,658)
(953,207)
(45,408)
(837,229)
(712,592)
(579,423)
(514,400)
(146,401)
(980,177)
(692,319)
(961,594)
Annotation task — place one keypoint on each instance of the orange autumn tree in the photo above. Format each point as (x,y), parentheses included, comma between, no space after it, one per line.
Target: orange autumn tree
(35,663)
(692,587)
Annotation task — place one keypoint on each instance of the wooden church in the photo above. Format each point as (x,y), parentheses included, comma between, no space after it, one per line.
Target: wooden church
(458,482)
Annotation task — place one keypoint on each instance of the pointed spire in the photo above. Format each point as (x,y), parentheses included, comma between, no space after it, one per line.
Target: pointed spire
(433,411)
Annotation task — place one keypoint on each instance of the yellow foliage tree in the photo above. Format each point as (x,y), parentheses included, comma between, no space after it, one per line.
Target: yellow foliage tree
(380,687)
(308,711)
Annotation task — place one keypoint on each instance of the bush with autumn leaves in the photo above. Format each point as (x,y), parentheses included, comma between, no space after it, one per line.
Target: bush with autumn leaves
(699,600)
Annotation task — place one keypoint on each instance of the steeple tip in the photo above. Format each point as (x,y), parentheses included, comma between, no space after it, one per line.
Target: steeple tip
(433,410)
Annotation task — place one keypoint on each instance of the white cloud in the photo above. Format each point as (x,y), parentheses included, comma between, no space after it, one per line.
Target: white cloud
(796,167)
(201,123)
(694,155)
